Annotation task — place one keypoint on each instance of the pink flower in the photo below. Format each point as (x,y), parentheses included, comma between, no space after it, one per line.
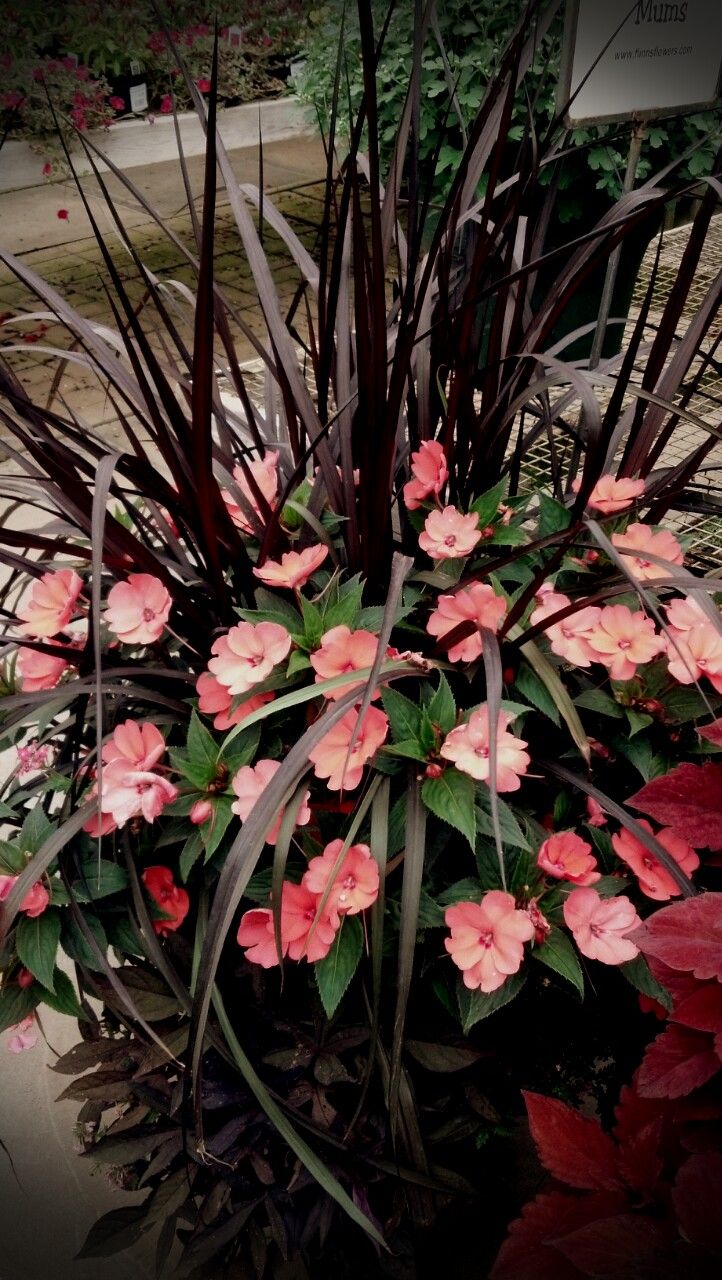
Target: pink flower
(600,925)
(134,793)
(356,883)
(569,638)
(39,671)
(247,654)
(479,604)
(329,756)
(47,169)
(487,939)
(294,569)
(565,856)
(622,639)
(250,783)
(344,650)
(32,756)
(118,104)
(138,609)
(696,653)
(203,86)
(214,699)
(51,603)
(654,880)
(640,538)
(596,817)
(25,979)
(430,474)
(298,913)
(36,900)
(449,534)
(172,900)
(136,743)
(23,1035)
(685,613)
(610,495)
(200,813)
(265,473)
(468,748)
(166,104)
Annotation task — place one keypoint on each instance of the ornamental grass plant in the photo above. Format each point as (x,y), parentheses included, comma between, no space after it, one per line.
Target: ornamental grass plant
(361,781)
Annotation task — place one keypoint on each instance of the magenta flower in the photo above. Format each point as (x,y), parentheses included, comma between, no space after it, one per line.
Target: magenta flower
(449,534)
(468,748)
(247,654)
(600,925)
(487,939)
(138,609)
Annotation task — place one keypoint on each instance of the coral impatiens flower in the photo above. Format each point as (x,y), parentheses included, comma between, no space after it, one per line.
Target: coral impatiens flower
(214,699)
(654,880)
(696,653)
(468,748)
(568,638)
(329,757)
(39,671)
(430,473)
(134,793)
(23,1035)
(623,639)
(356,883)
(250,782)
(567,857)
(51,603)
(640,539)
(247,654)
(684,613)
(344,650)
(294,568)
(136,743)
(600,925)
(298,913)
(449,534)
(138,609)
(596,817)
(36,900)
(479,604)
(487,939)
(265,473)
(610,495)
(172,900)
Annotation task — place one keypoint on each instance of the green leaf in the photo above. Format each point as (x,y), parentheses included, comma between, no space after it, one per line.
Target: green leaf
(535,691)
(272,608)
(637,721)
(75,945)
(452,798)
(442,707)
(115,1231)
(553,516)
(487,505)
(63,998)
(37,941)
(213,831)
(639,752)
(511,832)
(335,971)
(597,700)
(313,627)
(467,890)
(344,611)
(298,661)
(404,715)
(12,860)
(190,853)
(98,879)
(557,953)
(17,1003)
(202,753)
(475,1005)
(683,705)
(35,830)
(638,973)
(409,750)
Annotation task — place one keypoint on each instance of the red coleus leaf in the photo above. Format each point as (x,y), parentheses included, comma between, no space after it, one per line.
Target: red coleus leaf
(688,799)
(526,1254)
(676,1063)
(686,935)
(695,1197)
(640,1159)
(626,1246)
(712,732)
(702,1010)
(574,1148)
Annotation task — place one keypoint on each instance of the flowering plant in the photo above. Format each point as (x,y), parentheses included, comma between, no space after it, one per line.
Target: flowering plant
(335,731)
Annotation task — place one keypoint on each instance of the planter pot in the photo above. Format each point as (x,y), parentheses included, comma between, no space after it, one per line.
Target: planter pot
(131,143)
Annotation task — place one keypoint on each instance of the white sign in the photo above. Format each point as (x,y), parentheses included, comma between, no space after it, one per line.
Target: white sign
(639,58)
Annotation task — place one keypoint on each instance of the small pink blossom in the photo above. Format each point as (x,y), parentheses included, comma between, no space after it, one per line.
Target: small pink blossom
(39,671)
(47,169)
(356,883)
(329,757)
(51,603)
(247,654)
(118,104)
(173,901)
(430,472)
(134,793)
(565,856)
(479,604)
(249,784)
(542,927)
(684,613)
(344,650)
(468,748)
(695,653)
(610,496)
(298,913)
(487,939)
(568,638)
(449,535)
(200,813)
(138,609)
(23,1035)
(203,86)
(265,473)
(623,639)
(36,900)
(294,568)
(642,539)
(139,744)
(214,699)
(33,756)
(654,880)
(166,104)
(600,925)
(596,817)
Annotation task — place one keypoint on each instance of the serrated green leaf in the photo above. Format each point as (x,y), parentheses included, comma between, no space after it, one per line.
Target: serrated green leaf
(553,516)
(599,701)
(270,607)
(313,627)
(404,715)
(202,751)
(467,890)
(345,610)
(452,798)
(442,707)
(409,750)
(557,953)
(35,830)
(511,832)
(63,998)
(298,661)
(98,879)
(487,505)
(213,831)
(74,944)
(190,853)
(637,721)
(475,1005)
(334,973)
(638,973)
(36,942)
(12,861)
(535,691)
(17,1003)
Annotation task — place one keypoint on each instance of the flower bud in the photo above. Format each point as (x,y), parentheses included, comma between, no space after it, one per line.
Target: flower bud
(25,978)
(202,810)
(433,771)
